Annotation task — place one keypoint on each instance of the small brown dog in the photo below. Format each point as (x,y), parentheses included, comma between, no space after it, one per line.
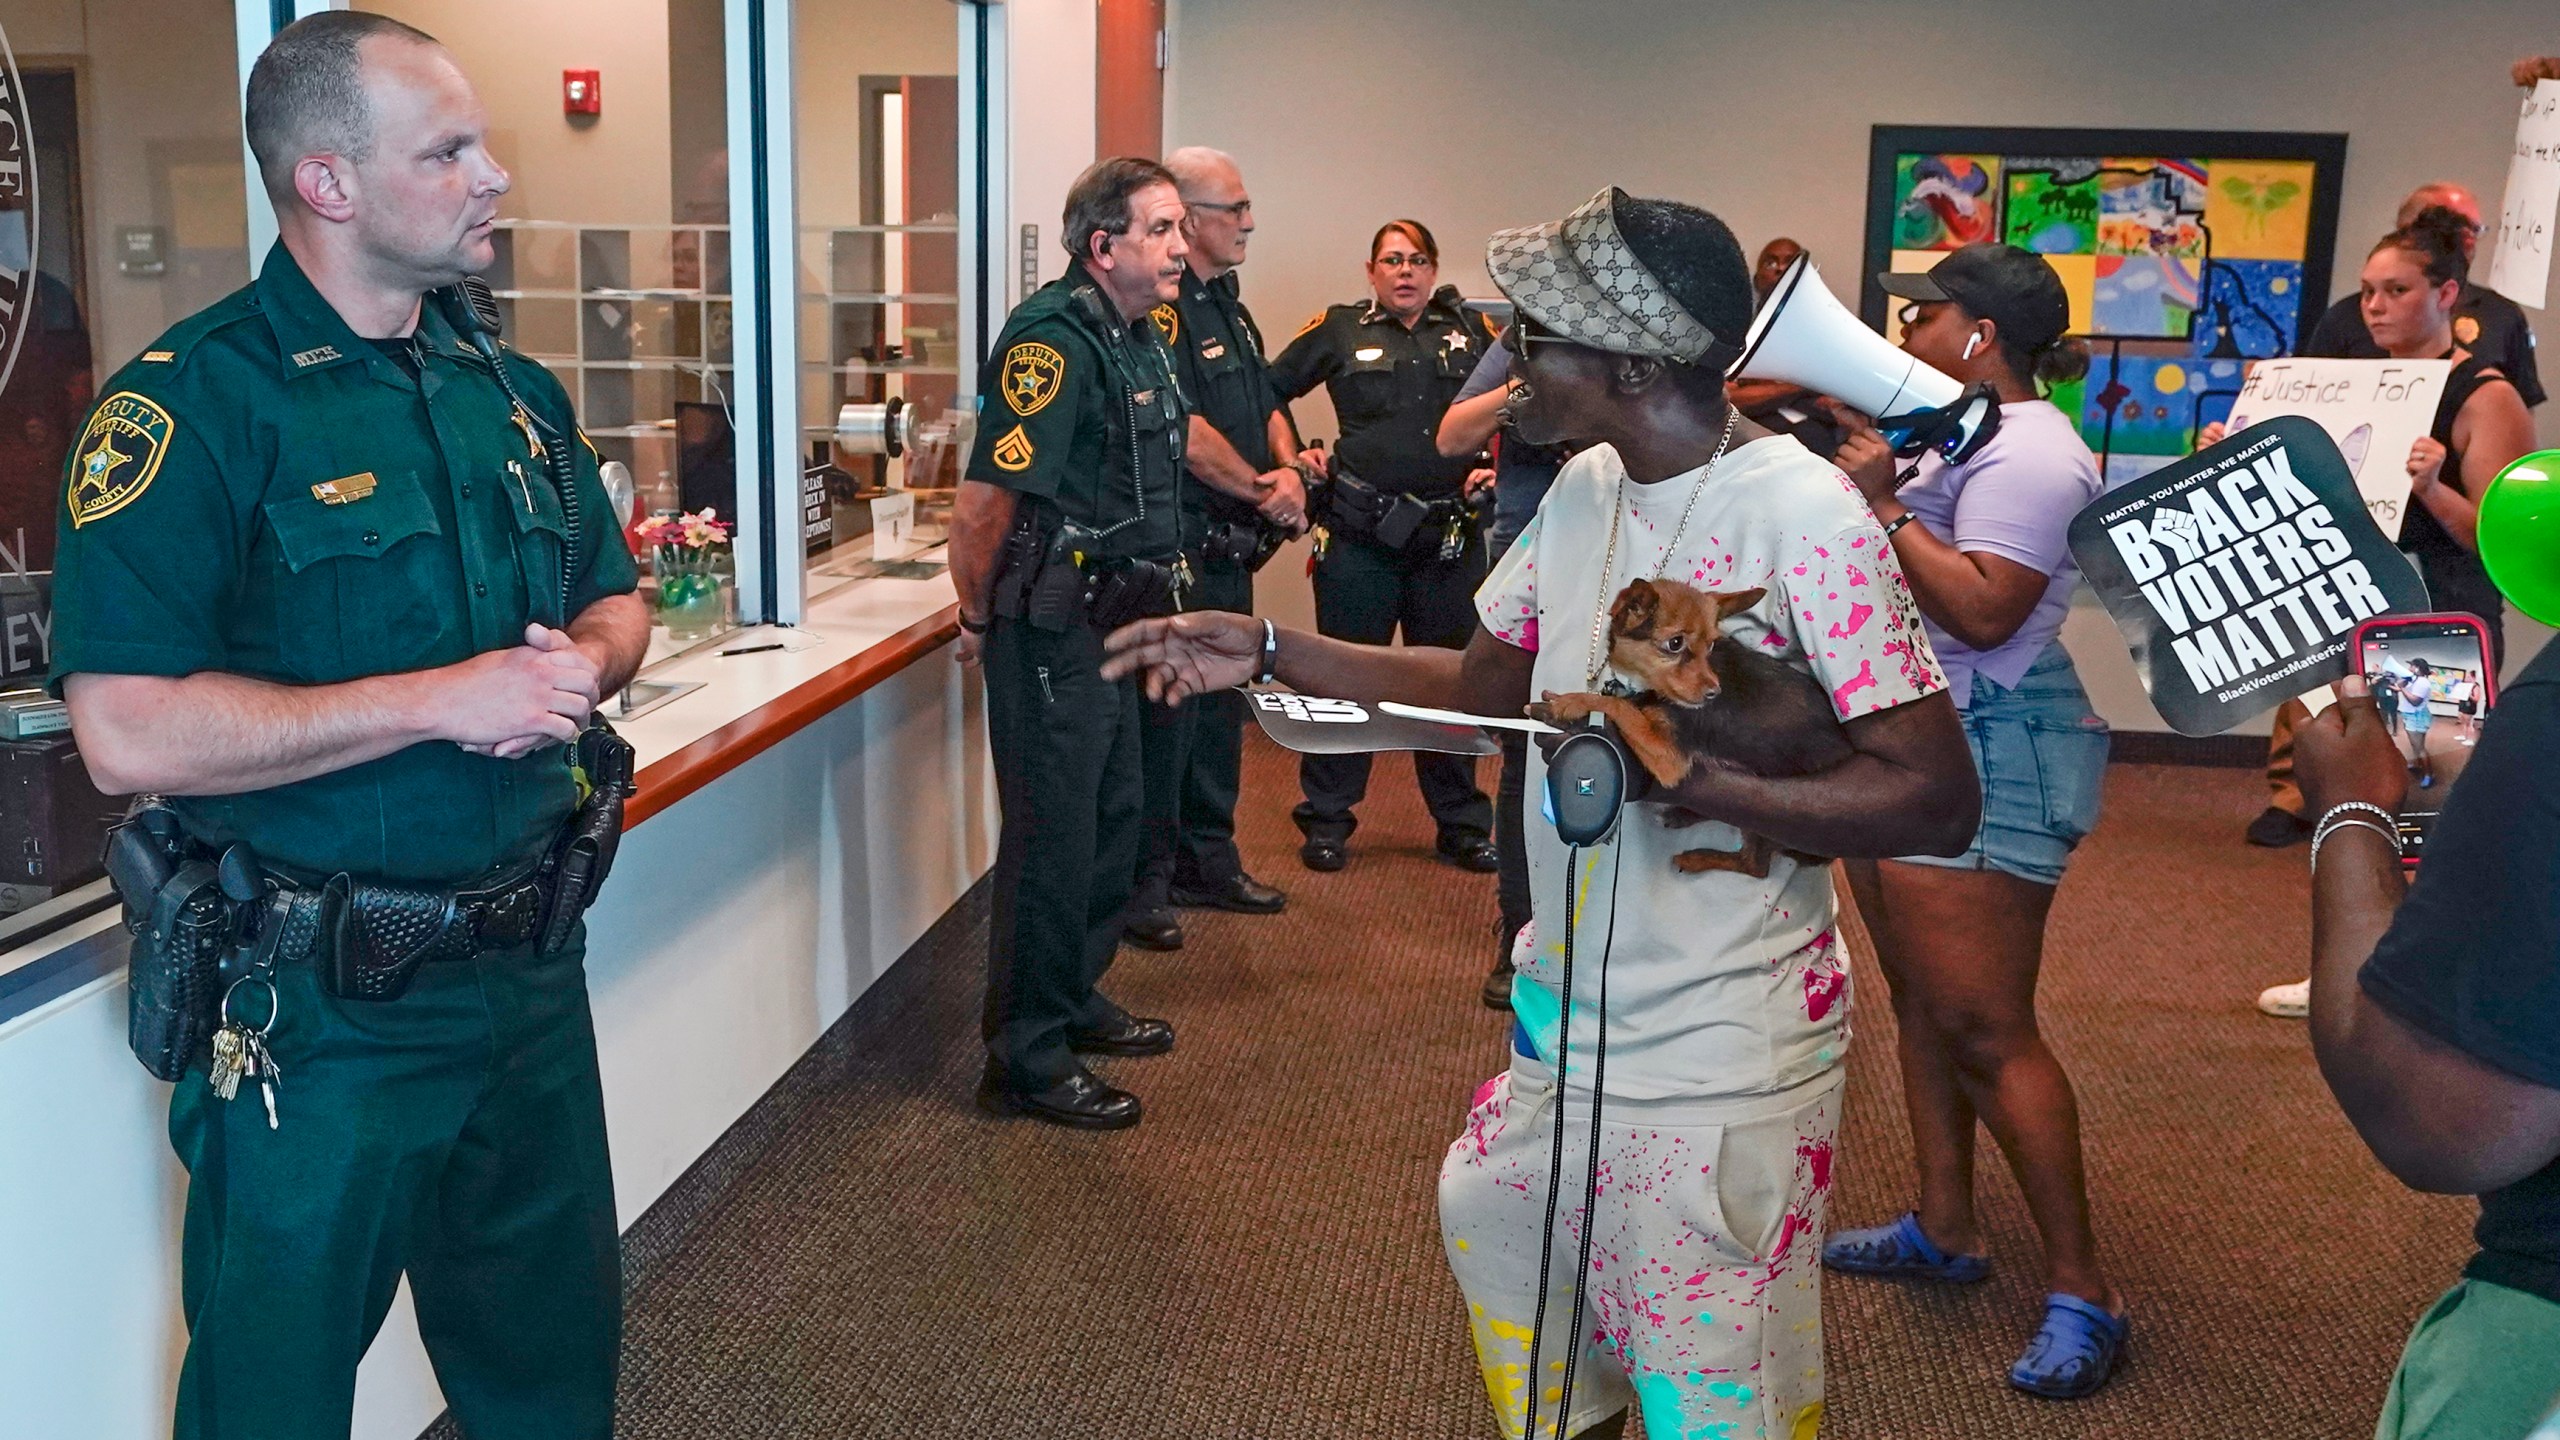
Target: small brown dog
(1706,697)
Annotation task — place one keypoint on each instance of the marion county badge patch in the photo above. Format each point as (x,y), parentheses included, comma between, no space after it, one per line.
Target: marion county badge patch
(1168,320)
(117,456)
(1031,375)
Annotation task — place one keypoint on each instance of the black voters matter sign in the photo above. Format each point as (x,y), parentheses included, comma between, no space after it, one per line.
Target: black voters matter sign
(2239,574)
(1313,725)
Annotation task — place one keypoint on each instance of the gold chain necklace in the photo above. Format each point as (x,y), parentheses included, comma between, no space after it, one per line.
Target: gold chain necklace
(1609,561)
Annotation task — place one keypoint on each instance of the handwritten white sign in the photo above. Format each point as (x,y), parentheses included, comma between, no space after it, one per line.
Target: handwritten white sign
(2520,266)
(892,517)
(2375,409)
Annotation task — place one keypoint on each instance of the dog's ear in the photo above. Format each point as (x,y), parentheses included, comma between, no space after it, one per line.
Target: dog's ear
(1633,611)
(1727,604)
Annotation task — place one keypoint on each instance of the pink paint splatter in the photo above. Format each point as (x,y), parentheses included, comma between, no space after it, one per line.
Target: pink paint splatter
(1817,1157)
(1823,982)
(1865,679)
(1856,575)
(1529,634)
(1857,621)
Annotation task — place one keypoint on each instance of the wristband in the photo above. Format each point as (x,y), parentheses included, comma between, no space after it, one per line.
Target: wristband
(1270,655)
(1898,521)
(975,627)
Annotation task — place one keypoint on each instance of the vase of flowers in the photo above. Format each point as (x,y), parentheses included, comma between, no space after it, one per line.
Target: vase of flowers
(683,550)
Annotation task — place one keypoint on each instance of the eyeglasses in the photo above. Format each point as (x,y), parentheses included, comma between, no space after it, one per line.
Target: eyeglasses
(1519,338)
(1239,209)
(1399,261)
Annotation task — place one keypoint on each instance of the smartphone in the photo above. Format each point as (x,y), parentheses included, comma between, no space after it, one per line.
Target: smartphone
(2432,680)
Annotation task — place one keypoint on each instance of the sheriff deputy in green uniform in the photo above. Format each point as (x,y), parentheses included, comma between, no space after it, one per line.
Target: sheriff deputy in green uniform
(318,586)
(1067,524)
(1248,495)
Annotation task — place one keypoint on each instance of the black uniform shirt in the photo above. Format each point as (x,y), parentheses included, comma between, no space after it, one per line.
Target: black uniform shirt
(1390,385)
(1217,352)
(266,494)
(2485,323)
(1047,426)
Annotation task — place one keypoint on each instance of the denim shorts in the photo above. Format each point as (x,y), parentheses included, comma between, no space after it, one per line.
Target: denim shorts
(2042,755)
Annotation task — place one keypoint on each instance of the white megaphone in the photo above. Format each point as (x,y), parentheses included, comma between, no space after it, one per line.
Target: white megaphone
(1803,336)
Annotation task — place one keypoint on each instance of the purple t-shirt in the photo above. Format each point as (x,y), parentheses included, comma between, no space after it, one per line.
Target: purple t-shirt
(2014,499)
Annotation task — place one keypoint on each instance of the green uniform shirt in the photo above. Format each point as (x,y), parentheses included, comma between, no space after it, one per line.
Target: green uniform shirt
(1060,394)
(265,493)
(1217,353)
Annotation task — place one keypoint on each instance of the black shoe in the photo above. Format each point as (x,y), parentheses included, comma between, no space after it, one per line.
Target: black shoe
(2277,828)
(1080,1101)
(1476,854)
(1128,1036)
(1326,855)
(1154,929)
(1242,894)
(1497,986)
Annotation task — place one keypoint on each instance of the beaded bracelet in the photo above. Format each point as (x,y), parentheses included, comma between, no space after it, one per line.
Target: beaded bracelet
(2334,811)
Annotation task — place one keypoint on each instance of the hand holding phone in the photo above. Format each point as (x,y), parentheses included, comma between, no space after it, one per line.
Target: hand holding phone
(2433,686)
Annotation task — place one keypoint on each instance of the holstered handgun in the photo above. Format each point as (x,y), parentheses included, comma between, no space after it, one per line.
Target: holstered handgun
(583,855)
(1060,593)
(182,925)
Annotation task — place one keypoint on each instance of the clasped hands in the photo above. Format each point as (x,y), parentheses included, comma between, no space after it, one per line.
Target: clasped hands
(510,703)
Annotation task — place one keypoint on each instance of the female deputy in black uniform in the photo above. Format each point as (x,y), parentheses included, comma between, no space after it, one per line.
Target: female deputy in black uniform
(1398,543)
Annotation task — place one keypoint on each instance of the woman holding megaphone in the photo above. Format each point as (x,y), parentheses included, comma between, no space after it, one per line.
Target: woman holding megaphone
(1984,544)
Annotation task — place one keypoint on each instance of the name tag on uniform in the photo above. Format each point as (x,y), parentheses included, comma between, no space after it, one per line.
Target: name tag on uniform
(1368,352)
(1213,349)
(345,490)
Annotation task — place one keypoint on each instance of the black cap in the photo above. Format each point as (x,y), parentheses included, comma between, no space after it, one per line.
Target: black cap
(2012,288)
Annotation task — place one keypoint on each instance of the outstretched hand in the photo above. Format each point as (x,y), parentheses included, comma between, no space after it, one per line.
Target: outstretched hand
(1185,655)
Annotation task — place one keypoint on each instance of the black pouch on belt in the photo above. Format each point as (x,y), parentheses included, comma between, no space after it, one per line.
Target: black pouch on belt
(1131,590)
(1396,528)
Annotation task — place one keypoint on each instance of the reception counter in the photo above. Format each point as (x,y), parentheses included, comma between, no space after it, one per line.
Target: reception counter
(802,818)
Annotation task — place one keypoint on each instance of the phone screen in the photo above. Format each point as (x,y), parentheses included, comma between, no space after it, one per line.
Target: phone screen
(2430,678)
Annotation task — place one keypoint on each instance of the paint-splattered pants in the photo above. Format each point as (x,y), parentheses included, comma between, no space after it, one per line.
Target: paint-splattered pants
(1704,1301)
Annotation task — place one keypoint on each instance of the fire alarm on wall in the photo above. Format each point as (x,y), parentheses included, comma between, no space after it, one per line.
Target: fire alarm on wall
(582,92)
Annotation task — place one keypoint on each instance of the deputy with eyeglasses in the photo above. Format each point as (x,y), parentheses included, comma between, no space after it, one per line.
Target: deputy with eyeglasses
(1398,540)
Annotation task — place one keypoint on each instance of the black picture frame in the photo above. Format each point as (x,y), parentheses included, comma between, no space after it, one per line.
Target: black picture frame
(2327,152)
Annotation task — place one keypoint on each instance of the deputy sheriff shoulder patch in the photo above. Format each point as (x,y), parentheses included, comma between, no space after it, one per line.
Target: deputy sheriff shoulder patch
(1032,372)
(117,456)
(1013,453)
(1312,323)
(1168,320)
(2466,329)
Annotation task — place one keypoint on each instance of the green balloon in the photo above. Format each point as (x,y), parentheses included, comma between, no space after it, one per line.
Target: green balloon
(2520,534)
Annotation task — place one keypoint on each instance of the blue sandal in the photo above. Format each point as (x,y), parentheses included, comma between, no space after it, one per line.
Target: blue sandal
(1901,1249)
(2074,1352)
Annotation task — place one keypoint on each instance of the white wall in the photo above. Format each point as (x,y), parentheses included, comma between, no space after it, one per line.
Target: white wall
(1050,135)
(1472,115)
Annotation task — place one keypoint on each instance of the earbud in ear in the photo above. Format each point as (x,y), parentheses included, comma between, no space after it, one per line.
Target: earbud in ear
(1972,343)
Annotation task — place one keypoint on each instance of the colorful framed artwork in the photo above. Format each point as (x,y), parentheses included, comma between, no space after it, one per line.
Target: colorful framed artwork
(2185,253)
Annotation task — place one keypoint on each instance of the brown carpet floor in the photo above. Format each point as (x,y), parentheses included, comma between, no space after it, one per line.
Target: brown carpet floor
(865,1254)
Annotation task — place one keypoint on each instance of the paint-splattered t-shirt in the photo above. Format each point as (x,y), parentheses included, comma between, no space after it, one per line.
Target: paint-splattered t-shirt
(1720,985)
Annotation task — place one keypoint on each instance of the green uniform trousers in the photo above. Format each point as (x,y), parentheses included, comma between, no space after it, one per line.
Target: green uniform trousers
(455,1134)
(1070,789)
(2482,1364)
(1206,857)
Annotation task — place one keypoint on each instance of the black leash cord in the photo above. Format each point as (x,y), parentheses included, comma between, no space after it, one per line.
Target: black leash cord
(1555,1165)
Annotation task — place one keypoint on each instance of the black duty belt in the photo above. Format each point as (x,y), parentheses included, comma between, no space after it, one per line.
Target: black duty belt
(1395,519)
(205,918)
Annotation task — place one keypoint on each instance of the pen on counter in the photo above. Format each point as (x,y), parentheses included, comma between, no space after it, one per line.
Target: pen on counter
(752,649)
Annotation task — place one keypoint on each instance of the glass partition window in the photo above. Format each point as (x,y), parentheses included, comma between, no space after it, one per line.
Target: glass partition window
(613,256)
(877,136)
(123,209)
